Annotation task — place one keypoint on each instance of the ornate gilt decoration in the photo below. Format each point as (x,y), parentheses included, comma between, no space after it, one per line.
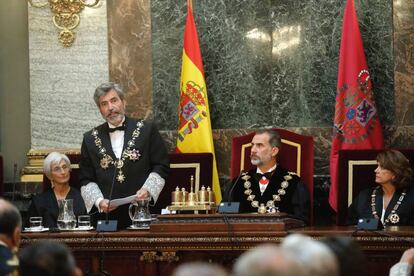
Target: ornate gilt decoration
(168,256)
(149,256)
(65,16)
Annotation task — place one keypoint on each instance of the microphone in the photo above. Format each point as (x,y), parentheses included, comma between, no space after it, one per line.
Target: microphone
(108,225)
(14,180)
(230,206)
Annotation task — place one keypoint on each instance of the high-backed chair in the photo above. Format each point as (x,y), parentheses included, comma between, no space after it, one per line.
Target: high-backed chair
(182,167)
(296,155)
(356,173)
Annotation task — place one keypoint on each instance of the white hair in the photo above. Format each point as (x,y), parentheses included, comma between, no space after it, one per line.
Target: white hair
(53,158)
(199,269)
(268,259)
(318,259)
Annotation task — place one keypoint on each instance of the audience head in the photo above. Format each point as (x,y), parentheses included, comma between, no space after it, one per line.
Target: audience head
(47,258)
(316,257)
(266,144)
(109,97)
(54,164)
(350,258)
(199,269)
(10,224)
(268,260)
(399,166)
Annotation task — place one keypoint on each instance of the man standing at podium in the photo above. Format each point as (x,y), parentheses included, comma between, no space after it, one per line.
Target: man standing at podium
(269,187)
(121,157)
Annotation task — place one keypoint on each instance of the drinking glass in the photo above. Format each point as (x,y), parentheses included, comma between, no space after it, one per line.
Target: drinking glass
(36,223)
(84,222)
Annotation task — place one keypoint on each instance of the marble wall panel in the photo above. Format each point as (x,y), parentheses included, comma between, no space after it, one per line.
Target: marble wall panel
(62,80)
(130,57)
(404,61)
(268,63)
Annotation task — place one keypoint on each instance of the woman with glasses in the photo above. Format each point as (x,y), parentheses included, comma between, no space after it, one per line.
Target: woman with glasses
(57,168)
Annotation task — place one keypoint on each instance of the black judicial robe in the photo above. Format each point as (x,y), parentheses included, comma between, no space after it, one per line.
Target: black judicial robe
(361,207)
(45,205)
(295,201)
(154,158)
(9,263)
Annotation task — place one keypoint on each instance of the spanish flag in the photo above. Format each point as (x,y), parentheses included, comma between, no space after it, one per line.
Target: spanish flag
(194,126)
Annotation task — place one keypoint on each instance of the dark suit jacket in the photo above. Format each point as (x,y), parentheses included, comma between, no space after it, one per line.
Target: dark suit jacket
(8,261)
(45,205)
(154,158)
(295,201)
(361,206)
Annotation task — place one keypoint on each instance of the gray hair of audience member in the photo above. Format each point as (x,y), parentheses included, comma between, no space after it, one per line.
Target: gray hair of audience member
(315,256)
(199,269)
(105,88)
(343,248)
(47,258)
(274,137)
(9,218)
(268,260)
(53,158)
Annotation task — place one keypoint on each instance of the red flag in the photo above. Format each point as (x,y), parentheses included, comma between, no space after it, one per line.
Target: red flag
(356,122)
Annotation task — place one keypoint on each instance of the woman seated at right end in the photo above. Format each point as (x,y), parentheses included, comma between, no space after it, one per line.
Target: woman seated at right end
(392,200)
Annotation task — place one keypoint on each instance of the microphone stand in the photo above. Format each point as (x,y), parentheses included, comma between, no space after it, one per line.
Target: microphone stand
(14,181)
(108,225)
(230,207)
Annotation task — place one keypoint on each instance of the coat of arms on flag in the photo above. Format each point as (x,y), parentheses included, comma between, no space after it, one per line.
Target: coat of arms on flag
(192,108)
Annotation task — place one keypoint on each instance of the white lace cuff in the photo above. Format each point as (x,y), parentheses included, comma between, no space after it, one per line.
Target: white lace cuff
(90,194)
(154,185)
(401,269)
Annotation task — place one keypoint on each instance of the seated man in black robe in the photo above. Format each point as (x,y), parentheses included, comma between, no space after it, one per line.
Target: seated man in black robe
(269,185)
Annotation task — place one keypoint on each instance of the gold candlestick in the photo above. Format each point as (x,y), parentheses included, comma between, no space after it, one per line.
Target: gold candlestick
(192,197)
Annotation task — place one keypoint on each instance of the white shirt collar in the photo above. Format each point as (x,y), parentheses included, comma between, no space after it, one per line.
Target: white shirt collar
(271,169)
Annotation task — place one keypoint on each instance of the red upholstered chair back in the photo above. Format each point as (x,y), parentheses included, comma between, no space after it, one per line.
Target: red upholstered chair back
(74,174)
(296,155)
(182,167)
(356,173)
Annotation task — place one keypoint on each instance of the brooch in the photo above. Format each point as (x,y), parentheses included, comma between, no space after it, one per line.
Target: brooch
(133,154)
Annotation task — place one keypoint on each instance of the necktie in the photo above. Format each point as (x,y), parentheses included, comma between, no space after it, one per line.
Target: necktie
(122,127)
(267,175)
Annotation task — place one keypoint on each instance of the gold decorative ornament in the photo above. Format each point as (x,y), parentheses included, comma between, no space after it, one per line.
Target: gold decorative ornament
(201,200)
(148,256)
(168,256)
(65,16)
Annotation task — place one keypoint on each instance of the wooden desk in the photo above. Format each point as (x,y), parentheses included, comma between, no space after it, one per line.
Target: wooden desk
(137,252)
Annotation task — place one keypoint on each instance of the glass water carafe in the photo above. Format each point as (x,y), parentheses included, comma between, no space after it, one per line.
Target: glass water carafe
(140,214)
(66,218)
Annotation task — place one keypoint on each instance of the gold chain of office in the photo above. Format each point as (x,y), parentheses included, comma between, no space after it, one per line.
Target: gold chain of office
(393,217)
(128,153)
(276,197)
